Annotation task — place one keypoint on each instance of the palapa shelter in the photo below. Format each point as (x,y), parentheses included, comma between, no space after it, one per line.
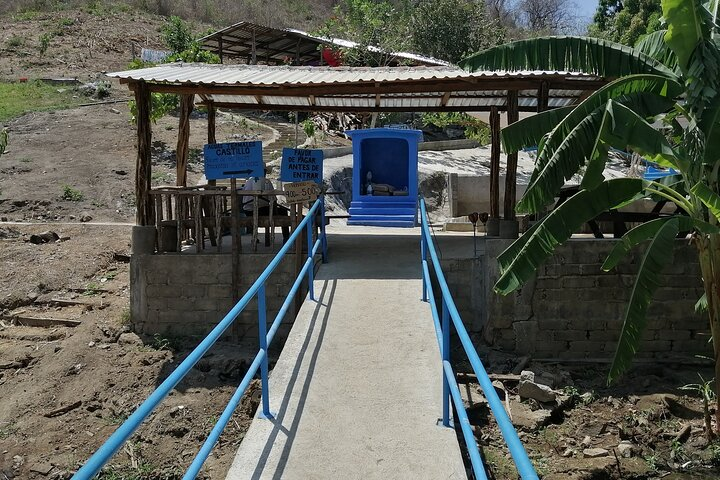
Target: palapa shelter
(252,43)
(347,89)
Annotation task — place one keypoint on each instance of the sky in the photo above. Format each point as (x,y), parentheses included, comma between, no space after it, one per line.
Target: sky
(587,7)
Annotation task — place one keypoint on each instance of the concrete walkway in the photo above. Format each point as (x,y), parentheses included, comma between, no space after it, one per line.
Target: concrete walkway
(356,392)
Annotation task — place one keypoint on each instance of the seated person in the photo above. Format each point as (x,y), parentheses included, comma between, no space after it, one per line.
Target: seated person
(263,184)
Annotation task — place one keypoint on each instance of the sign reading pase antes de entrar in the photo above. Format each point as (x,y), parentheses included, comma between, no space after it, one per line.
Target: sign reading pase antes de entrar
(298,192)
(299,165)
(233,160)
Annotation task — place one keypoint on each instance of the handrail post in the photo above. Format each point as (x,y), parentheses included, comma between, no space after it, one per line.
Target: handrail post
(323,238)
(311,272)
(262,327)
(423,256)
(446,358)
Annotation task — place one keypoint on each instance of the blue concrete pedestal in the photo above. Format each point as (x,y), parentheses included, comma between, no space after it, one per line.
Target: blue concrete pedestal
(386,159)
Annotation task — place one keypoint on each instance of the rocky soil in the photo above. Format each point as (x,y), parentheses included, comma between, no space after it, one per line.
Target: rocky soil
(71,370)
(574,426)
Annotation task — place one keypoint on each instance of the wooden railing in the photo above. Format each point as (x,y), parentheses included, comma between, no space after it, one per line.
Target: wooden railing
(195,214)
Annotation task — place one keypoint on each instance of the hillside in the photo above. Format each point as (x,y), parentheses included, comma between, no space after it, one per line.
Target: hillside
(74,43)
(274,13)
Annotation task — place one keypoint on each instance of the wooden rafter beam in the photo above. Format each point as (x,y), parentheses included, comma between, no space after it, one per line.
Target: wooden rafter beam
(370,88)
(359,109)
(445,98)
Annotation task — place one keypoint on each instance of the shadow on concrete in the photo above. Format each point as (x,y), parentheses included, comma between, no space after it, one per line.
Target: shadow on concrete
(381,257)
(324,299)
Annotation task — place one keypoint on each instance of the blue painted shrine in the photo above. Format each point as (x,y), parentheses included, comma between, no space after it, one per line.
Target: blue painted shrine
(385,177)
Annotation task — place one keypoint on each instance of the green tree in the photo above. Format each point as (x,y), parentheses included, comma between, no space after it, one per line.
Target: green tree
(452,29)
(378,27)
(177,35)
(185,48)
(626,21)
(665,106)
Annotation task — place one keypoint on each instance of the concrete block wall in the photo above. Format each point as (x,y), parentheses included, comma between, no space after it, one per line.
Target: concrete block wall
(471,193)
(574,310)
(187,295)
(466,280)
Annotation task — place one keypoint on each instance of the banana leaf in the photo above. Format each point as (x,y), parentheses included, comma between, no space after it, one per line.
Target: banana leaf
(622,128)
(710,126)
(686,28)
(519,262)
(676,182)
(578,54)
(529,131)
(654,46)
(707,197)
(658,254)
(572,141)
(648,230)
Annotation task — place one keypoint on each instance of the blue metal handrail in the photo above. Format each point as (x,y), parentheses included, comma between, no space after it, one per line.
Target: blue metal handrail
(260,362)
(451,390)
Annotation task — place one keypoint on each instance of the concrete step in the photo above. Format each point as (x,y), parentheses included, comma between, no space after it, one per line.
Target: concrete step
(377,221)
(381,211)
(401,202)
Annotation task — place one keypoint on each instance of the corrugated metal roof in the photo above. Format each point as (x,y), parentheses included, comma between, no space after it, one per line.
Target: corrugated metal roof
(278,46)
(285,75)
(360,88)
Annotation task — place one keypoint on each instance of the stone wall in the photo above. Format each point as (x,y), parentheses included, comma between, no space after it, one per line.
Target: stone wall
(574,310)
(187,295)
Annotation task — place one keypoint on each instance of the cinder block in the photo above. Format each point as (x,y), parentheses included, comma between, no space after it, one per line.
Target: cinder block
(549,283)
(525,336)
(570,270)
(604,335)
(656,346)
(156,277)
(571,335)
(550,348)
(162,291)
(696,346)
(586,346)
(672,335)
(218,291)
(553,324)
(573,282)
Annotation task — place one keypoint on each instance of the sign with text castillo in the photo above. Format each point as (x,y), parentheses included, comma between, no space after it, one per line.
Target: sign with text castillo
(233,160)
(299,165)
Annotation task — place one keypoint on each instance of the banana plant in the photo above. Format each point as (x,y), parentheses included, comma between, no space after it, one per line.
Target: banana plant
(663,103)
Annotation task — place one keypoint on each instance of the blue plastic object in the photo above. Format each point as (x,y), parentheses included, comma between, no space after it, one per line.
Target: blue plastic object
(124,431)
(653,173)
(450,389)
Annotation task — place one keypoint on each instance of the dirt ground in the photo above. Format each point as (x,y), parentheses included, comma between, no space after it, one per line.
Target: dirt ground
(64,389)
(645,426)
(71,371)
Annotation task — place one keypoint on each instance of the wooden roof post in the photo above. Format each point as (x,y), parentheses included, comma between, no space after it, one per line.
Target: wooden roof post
(220,48)
(543,96)
(143,205)
(211,130)
(253,60)
(512,159)
(181,152)
(494,162)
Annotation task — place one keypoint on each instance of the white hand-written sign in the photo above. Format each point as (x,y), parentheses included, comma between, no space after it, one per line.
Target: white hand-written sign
(299,192)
